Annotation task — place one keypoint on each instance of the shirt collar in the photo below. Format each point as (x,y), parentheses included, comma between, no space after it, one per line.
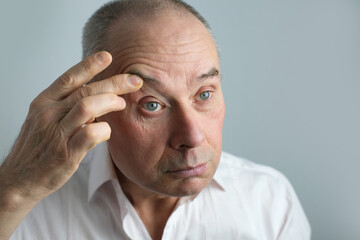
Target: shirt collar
(220,176)
(102,170)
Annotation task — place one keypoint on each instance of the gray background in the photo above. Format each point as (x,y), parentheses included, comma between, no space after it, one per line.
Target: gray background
(291,73)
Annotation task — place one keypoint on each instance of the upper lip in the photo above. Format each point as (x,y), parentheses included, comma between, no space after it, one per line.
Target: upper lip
(187,167)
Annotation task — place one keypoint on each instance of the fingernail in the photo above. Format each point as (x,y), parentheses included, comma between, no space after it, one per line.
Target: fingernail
(134,80)
(101,57)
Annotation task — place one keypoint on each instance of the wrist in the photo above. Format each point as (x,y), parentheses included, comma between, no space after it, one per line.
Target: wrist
(13,197)
(12,200)
(13,208)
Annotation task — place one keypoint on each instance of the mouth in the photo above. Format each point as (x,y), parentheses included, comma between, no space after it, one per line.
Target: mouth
(189,171)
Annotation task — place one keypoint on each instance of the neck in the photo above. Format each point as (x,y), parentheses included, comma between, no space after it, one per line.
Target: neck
(153,209)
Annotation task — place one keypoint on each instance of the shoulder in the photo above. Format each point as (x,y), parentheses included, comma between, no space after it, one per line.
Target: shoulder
(253,184)
(233,170)
(266,194)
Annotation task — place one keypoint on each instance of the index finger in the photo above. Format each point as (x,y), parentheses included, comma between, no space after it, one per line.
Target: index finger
(78,75)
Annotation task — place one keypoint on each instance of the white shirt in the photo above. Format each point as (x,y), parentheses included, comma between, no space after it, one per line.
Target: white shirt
(243,201)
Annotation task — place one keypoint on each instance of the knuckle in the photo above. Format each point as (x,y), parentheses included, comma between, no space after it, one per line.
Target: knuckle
(123,84)
(90,134)
(86,64)
(67,79)
(34,105)
(86,91)
(118,82)
(39,103)
(84,107)
(42,104)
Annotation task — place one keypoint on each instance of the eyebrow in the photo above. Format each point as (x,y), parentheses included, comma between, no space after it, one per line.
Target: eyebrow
(147,79)
(212,73)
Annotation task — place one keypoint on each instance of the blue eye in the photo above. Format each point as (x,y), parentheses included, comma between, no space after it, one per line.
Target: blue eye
(152,106)
(205,95)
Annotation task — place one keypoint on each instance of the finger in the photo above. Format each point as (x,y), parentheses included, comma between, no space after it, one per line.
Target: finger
(118,84)
(88,137)
(87,109)
(78,75)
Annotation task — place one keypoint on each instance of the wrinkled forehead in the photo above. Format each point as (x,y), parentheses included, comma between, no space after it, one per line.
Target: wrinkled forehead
(169,32)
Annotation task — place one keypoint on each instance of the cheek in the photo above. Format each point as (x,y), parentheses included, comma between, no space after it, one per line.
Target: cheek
(215,124)
(135,143)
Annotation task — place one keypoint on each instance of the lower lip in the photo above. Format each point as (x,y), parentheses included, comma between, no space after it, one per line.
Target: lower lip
(191,172)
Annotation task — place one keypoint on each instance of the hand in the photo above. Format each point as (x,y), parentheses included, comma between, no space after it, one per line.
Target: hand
(60,129)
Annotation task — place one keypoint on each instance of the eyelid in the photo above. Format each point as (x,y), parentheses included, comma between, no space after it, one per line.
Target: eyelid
(158,108)
(151,92)
(150,99)
(205,89)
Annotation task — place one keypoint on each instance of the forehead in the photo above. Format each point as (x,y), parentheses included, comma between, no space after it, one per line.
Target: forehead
(172,43)
(168,26)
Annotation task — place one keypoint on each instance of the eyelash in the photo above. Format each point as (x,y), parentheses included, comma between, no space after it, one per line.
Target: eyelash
(207,99)
(144,105)
(161,106)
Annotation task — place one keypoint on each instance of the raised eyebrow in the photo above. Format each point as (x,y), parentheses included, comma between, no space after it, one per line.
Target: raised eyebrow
(212,73)
(147,79)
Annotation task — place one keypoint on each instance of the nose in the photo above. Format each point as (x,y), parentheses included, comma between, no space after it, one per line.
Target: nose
(187,131)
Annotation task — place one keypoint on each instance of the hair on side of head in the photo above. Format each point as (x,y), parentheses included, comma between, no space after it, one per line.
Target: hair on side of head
(96,28)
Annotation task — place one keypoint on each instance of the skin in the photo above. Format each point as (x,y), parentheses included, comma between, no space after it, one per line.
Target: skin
(53,140)
(148,148)
(185,131)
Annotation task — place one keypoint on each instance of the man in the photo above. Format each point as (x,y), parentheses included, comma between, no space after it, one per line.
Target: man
(154,92)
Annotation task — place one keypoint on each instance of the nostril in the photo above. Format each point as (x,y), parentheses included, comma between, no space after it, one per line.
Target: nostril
(187,130)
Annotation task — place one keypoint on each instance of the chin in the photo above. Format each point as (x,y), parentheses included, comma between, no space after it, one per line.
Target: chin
(186,187)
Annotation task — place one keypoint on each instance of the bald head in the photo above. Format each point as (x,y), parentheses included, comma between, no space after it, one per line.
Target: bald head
(96,30)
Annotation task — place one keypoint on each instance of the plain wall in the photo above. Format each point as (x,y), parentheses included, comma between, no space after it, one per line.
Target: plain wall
(291,80)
